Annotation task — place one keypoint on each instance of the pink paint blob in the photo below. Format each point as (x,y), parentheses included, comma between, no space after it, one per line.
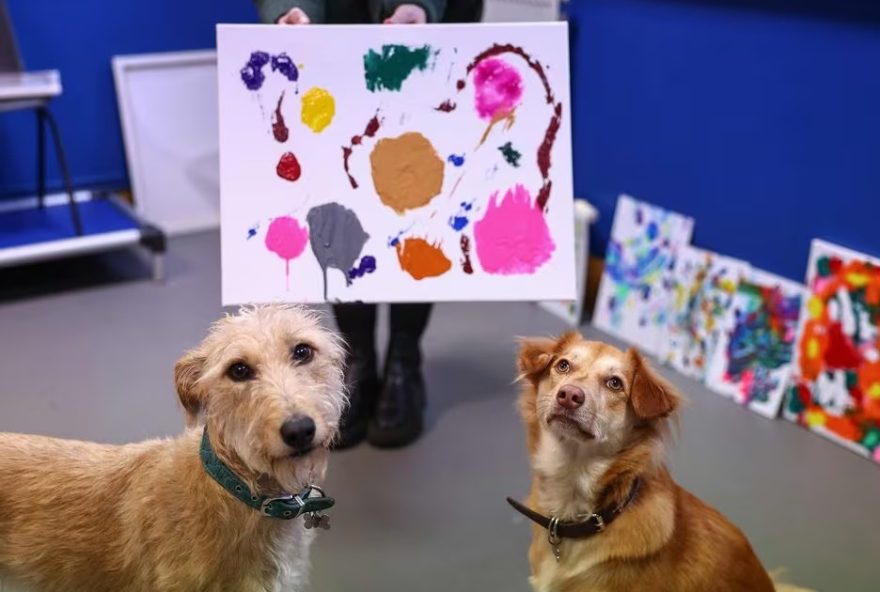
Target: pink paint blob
(287,239)
(513,237)
(498,89)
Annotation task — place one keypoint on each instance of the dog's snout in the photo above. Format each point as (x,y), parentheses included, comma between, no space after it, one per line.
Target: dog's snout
(298,432)
(570,396)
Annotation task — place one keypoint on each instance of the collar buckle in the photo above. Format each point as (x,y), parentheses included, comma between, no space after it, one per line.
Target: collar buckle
(265,506)
(600,523)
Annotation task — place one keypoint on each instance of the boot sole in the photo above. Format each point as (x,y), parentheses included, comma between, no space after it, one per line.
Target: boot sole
(397,437)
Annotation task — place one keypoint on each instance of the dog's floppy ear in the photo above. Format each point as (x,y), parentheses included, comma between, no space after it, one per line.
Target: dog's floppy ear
(535,354)
(651,395)
(187,372)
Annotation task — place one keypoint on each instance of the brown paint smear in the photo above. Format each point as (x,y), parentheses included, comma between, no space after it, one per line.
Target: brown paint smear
(421,259)
(407,172)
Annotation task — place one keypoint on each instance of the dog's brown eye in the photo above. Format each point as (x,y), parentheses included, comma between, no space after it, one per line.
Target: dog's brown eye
(614,383)
(563,366)
(239,372)
(302,353)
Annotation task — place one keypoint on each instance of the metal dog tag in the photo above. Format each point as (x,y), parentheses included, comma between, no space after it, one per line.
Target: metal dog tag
(317,520)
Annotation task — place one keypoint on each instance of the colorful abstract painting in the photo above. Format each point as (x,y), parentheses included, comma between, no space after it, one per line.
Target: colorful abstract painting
(634,293)
(703,287)
(835,389)
(752,362)
(388,164)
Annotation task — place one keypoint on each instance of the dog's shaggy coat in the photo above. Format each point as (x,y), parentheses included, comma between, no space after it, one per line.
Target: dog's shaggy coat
(585,457)
(84,517)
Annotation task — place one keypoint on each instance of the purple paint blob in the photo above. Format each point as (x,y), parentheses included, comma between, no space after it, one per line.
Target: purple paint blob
(287,239)
(499,89)
(252,73)
(283,64)
(366,265)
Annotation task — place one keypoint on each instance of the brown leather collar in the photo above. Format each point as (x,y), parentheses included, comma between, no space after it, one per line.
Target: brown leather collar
(593,524)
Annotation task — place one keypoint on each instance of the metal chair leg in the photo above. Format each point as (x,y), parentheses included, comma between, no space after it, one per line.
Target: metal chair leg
(65,172)
(41,159)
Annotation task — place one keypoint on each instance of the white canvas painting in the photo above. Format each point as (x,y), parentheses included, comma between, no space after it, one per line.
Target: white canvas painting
(703,287)
(389,164)
(634,294)
(753,360)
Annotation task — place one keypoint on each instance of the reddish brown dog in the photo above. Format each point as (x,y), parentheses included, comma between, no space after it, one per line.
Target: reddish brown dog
(596,418)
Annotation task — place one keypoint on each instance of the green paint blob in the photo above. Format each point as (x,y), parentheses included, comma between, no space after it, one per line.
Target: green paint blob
(794,401)
(871,439)
(388,70)
(823,266)
(510,154)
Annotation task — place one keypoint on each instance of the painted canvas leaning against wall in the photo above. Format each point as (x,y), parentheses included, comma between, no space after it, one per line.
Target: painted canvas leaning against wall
(369,163)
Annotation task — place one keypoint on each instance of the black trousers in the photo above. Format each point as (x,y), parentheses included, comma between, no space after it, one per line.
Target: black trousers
(357,322)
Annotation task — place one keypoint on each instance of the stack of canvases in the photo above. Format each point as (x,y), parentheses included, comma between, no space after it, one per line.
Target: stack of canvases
(764,341)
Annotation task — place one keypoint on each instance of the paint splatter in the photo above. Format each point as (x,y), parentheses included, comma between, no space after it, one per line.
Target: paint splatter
(287,239)
(510,154)
(837,385)
(288,167)
(252,72)
(498,89)
(252,231)
(389,69)
(369,132)
(337,238)
(421,259)
(466,265)
(407,172)
(318,109)
(461,219)
(447,106)
(513,236)
(455,159)
(283,64)
(367,265)
(279,129)
(546,146)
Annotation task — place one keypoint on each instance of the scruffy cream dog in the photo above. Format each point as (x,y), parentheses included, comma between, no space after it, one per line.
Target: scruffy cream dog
(83,517)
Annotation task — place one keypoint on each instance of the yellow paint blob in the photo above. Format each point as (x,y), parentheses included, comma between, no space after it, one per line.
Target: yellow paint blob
(318,109)
(874,391)
(814,418)
(815,307)
(857,280)
(813,348)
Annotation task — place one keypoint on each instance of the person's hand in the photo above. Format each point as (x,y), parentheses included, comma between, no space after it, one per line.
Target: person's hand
(408,14)
(294,16)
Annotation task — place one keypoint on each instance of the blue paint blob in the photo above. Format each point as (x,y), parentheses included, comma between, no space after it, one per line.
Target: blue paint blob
(653,231)
(458,222)
(456,160)
(252,232)
(366,265)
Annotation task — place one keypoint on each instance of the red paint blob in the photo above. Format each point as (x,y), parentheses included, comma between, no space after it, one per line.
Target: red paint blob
(446,106)
(466,265)
(279,128)
(369,131)
(288,167)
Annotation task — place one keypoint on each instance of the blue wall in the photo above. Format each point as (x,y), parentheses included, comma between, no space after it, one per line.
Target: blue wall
(761,119)
(761,123)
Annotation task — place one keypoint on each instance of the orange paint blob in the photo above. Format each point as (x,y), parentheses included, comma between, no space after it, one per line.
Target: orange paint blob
(421,259)
(407,172)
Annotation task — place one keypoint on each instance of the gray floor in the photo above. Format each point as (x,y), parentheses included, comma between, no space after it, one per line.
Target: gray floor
(84,357)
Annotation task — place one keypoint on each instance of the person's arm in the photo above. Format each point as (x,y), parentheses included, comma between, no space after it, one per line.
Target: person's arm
(271,11)
(433,8)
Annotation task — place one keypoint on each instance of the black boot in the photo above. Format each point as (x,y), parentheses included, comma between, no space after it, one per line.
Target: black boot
(363,389)
(398,415)
(357,322)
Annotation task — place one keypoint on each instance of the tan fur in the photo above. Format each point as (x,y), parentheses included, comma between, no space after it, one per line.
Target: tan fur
(77,516)
(667,540)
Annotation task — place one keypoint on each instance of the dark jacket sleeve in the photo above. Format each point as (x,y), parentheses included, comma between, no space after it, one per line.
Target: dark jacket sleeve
(433,8)
(271,10)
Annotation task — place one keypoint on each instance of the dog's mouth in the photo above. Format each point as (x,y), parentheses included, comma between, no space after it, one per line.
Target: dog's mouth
(302,452)
(570,426)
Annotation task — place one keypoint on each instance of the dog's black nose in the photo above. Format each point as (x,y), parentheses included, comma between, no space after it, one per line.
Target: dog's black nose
(570,396)
(298,432)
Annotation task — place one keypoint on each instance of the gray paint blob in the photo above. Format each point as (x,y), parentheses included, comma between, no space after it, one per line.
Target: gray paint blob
(337,238)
